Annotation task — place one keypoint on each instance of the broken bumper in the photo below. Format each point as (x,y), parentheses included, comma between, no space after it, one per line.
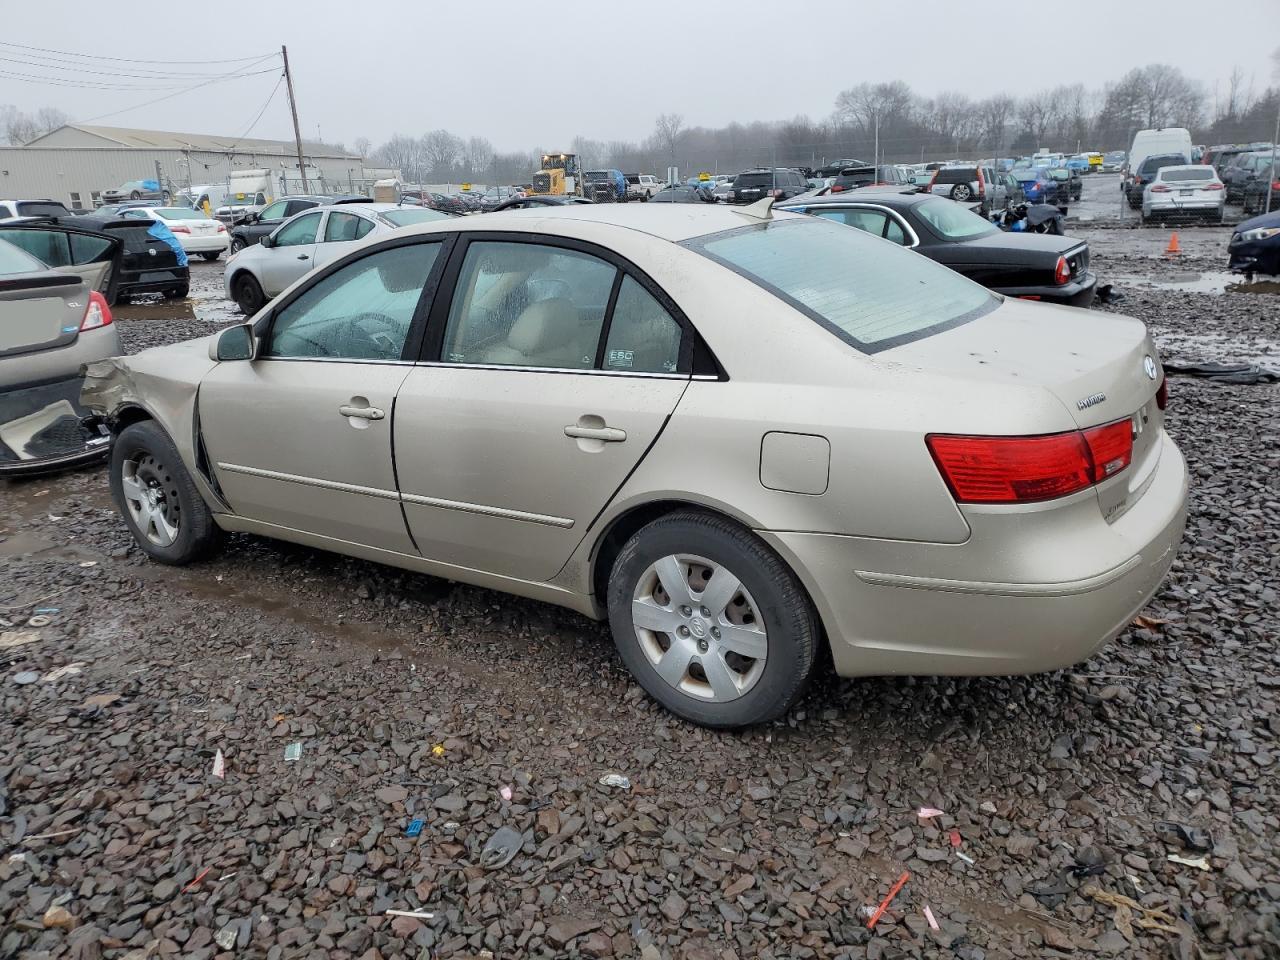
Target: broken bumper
(41,429)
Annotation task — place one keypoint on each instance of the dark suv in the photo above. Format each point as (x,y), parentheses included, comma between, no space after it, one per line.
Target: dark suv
(1241,171)
(1146,173)
(851,178)
(781,183)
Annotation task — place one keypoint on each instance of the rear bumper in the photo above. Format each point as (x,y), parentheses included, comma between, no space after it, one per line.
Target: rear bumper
(41,429)
(154,281)
(1078,293)
(1009,600)
(1164,204)
(218,241)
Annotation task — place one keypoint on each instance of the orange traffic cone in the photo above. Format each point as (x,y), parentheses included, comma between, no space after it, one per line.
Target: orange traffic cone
(1173,249)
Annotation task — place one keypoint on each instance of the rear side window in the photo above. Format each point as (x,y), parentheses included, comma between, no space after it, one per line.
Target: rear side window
(50,247)
(957,175)
(868,294)
(14,260)
(643,337)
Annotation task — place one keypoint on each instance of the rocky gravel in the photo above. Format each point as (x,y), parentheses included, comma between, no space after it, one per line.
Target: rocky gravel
(451,745)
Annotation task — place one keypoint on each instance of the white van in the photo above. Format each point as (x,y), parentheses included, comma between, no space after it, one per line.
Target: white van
(1149,143)
(248,191)
(214,193)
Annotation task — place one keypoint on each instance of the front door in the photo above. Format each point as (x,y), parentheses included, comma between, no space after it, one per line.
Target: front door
(556,372)
(300,437)
(293,248)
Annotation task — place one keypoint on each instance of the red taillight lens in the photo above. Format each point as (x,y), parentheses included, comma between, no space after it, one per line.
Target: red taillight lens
(1162,394)
(1275,185)
(222,228)
(1030,469)
(1062,272)
(180,229)
(1110,448)
(837,188)
(97,313)
(1212,186)
(1159,188)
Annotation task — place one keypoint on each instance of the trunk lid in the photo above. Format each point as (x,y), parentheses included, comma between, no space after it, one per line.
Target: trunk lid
(1101,367)
(40,311)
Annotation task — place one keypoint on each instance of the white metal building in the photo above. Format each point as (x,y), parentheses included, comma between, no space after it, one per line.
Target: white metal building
(76,162)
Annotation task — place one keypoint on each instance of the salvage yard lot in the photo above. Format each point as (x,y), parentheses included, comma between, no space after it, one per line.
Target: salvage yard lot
(417,698)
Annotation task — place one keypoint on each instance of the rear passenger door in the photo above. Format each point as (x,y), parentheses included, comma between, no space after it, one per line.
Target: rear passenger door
(549,371)
(341,233)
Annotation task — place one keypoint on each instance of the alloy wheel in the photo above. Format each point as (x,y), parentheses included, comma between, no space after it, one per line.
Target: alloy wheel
(151,497)
(699,627)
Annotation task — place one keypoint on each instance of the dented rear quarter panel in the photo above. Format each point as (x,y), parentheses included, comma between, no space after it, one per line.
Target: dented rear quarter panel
(163,382)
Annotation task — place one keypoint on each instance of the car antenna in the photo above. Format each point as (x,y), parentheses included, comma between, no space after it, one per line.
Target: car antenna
(760,210)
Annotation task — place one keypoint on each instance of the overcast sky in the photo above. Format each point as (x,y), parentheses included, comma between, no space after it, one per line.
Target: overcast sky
(528,74)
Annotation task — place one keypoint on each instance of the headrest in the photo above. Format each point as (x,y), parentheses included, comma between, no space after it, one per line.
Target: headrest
(543,326)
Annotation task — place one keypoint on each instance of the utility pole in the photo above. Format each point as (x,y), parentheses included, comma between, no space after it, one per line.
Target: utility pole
(293,108)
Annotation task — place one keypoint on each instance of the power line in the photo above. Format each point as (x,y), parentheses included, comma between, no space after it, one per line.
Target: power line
(249,129)
(234,75)
(99,56)
(84,85)
(152,75)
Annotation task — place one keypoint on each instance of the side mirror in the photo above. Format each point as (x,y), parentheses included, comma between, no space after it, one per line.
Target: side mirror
(266,241)
(234,343)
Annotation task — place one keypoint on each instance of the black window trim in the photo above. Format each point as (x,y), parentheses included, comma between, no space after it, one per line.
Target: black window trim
(417,326)
(433,344)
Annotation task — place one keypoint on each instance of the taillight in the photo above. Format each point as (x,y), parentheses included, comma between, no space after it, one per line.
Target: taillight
(1162,393)
(1062,272)
(1030,469)
(1212,186)
(1275,185)
(96,313)
(180,229)
(222,228)
(837,188)
(1160,188)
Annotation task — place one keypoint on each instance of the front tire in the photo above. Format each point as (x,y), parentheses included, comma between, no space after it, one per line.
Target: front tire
(156,496)
(711,622)
(237,244)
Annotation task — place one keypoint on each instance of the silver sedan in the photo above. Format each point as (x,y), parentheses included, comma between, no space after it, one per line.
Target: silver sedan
(307,241)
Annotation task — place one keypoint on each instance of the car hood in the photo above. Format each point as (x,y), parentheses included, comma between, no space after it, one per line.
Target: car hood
(1265,220)
(1077,355)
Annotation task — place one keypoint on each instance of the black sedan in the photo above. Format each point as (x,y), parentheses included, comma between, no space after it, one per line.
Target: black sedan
(547,200)
(685,194)
(1254,246)
(1032,266)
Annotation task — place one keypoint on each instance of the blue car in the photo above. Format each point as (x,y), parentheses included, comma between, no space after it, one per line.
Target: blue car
(1037,186)
(1078,163)
(1254,246)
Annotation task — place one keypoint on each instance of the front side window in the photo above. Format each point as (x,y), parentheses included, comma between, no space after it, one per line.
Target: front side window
(361,312)
(529,305)
(273,212)
(298,232)
(643,337)
(868,294)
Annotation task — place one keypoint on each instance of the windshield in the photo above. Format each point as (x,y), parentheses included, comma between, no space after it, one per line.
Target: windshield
(180,213)
(14,260)
(408,216)
(869,292)
(41,208)
(953,221)
(1026,175)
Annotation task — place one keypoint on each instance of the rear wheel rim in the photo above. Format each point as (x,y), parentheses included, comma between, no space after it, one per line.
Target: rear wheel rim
(699,628)
(151,497)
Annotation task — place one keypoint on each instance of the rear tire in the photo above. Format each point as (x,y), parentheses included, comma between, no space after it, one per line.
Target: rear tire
(178,293)
(961,192)
(157,498)
(745,650)
(248,294)
(211,255)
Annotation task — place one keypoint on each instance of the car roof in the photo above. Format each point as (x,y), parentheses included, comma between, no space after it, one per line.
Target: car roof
(675,222)
(895,196)
(370,207)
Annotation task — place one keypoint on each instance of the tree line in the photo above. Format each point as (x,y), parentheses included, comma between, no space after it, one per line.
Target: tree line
(891,118)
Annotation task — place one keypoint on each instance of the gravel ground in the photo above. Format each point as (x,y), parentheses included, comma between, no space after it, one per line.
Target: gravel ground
(1062,795)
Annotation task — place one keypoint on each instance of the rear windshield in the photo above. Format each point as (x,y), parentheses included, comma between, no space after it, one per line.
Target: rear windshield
(36,208)
(953,221)
(869,292)
(756,180)
(1200,173)
(1059,173)
(957,174)
(411,215)
(180,213)
(13,260)
(1152,164)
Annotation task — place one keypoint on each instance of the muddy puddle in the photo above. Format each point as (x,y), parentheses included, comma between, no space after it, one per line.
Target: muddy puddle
(1213,281)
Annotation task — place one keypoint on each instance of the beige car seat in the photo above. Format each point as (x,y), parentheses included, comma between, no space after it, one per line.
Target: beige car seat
(548,333)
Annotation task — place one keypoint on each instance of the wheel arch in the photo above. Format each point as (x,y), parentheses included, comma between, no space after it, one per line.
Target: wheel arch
(614,535)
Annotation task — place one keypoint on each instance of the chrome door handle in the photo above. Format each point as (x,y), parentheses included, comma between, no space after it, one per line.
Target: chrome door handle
(607,434)
(364,413)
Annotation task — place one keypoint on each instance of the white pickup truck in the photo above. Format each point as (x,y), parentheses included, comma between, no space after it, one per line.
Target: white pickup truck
(642,186)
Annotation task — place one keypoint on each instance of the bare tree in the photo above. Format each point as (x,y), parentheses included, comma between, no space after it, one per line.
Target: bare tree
(18,127)
(994,114)
(479,158)
(667,131)
(441,152)
(404,154)
(363,146)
